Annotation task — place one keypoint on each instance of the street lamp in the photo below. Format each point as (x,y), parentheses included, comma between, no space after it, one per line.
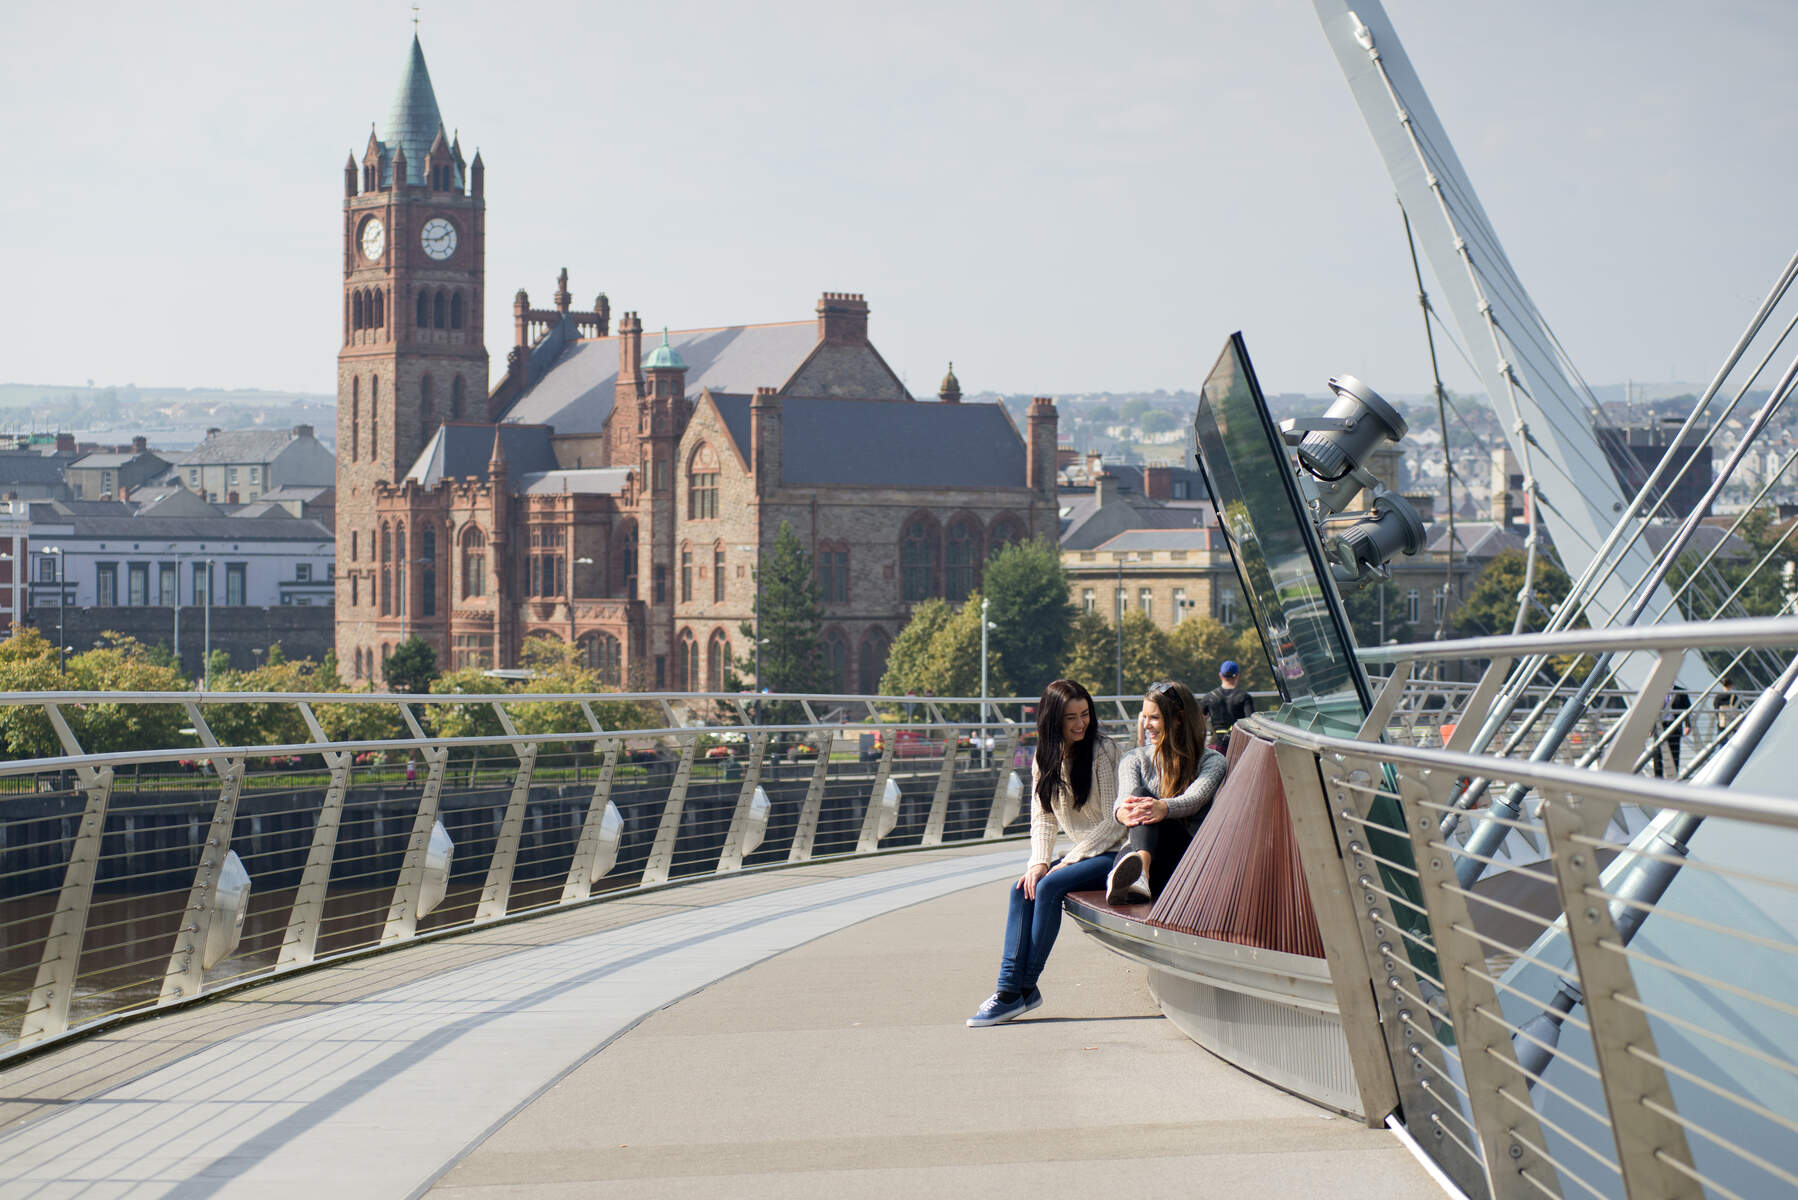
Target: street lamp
(62,602)
(1120,626)
(985,625)
(206,662)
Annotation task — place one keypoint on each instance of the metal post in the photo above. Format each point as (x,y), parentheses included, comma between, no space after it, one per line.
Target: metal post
(185,975)
(496,892)
(806,832)
(995,817)
(882,773)
(47,1014)
(945,784)
(731,857)
(1120,619)
(300,943)
(579,884)
(62,608)
(984,626)
(661,853)
(402,910)
(206,664)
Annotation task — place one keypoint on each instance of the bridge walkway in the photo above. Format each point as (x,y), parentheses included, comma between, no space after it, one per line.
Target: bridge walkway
(788,1033)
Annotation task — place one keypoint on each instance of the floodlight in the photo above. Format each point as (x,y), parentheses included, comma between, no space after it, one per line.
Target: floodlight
(1331,448)
(1362,549)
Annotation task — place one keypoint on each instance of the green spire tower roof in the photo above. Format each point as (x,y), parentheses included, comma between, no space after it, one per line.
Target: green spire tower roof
(664,357)
(414,120)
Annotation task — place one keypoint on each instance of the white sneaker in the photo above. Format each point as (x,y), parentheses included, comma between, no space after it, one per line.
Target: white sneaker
(1125,880)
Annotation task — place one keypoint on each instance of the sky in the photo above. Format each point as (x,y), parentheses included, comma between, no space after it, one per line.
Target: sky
(1061,198)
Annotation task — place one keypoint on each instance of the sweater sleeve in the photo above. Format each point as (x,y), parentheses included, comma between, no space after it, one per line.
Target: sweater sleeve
(1133,777)
(1199,793)
(1105,835)
(1044,828)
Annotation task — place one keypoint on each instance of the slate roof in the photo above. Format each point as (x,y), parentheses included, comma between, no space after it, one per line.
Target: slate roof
(888,443)
(580,481)
(1161,539)
(413,120)
(110,461)
(286,528)
(1086,526)
(238,446)
(462,451)
(575,392)
(1474,539)
(304,492)
(30,468)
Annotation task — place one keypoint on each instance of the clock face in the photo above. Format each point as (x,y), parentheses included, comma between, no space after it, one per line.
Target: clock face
(439,238)
(374,239)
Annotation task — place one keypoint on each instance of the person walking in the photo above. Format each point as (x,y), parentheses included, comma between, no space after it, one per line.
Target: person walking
(1073,786)
(1165,787)
(1675,708)
(1226,704)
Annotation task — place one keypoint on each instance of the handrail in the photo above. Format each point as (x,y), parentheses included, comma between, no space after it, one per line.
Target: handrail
(1758,632)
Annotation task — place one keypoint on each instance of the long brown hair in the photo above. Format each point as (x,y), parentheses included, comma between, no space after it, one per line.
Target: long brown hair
(1051,752)
(1182,741)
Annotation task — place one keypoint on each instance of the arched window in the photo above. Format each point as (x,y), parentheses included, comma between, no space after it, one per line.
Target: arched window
(380,321)
(374,416)
(686,573)
(961,558)
(355,543)
(624,560)
(474,562)
(1006,530)
(386,588)
(399,571)
(836,661)
(872,661)
(702,484)
(456,310)
(717,660)
(832,565)
(718,573)
(437,314)
(355,310)
(686,663)
(427,572)
(456,398)
(601,653)
(355,417)
(919,544)
(427,406)
(424,310)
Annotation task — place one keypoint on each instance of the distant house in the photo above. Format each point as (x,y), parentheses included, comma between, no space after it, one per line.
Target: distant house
(107,475)
(237,466)
(28,475)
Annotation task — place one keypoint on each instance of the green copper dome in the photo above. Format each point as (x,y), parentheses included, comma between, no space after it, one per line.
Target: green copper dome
(664,358)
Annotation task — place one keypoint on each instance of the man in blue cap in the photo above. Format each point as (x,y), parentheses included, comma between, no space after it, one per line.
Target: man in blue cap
(1225,705)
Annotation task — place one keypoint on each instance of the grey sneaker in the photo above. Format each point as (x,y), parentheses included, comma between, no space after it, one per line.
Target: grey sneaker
(996,1011)
(1125,884)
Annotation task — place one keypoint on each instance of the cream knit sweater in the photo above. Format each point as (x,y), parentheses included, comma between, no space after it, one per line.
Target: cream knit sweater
(1093,827)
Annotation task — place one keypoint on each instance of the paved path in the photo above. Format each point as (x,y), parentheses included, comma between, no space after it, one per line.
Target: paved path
(826,1056)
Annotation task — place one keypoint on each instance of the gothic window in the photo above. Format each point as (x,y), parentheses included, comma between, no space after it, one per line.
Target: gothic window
(625,560)
(718,573)
(474,563)
(355,541)
(686,574)
(717,660)
(833,572)
(1006,530)
(424,310)
(380,307)
(601,653)
(659,573)
(960,555)
(456,310)
(399,574)
(427,572)
(356,310)
(355,592)
(702,484)
(456,398)
(437,314)
(873,661)
(374,416)
(386,592)
(355,417)
(686,663)
(836,661)
(918,546)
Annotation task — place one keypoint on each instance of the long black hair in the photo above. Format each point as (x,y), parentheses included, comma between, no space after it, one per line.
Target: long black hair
(1051,752)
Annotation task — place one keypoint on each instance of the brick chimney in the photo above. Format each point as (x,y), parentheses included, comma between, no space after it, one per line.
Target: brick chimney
(764,440)
(630,349)
(843,318)
(65,443)
(1094,464)
(1043,424)
(139,444)
(521,307)
(304,431)
(1105,488)
(1158,482)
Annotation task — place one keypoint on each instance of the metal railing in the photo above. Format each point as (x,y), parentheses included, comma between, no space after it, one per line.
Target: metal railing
(145,878)
(1611,1014)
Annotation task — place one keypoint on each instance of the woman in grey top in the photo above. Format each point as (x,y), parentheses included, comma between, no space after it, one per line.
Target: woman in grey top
(1165,787)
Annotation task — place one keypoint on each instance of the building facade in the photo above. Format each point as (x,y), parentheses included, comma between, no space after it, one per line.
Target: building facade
(620,497)
(240,466)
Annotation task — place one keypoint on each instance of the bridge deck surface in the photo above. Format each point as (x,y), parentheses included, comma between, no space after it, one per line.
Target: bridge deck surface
(783,1034)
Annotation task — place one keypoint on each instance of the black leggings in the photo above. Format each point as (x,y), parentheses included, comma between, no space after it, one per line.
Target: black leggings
(1166,842)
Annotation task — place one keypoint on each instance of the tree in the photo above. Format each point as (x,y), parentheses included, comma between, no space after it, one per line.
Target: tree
(940,655)
(1491,604)
(1764,595)
(28,664)
(791,622)
(1094,658)
(411,667)
(1027,590)
(123,664)
(1158,420)
(271,724)
(1197,646)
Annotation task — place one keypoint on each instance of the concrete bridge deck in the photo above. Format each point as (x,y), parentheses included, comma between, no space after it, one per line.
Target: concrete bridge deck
(790,1033)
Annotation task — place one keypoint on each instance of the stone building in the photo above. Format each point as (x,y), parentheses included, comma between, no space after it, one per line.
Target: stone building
(241,465)
(620,498)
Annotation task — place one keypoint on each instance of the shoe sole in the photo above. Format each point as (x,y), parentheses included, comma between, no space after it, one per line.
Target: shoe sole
(985,1022)
(1117,885)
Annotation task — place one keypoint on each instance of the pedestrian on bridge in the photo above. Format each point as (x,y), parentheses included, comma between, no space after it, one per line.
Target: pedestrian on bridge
(1165,787)
(1073,785)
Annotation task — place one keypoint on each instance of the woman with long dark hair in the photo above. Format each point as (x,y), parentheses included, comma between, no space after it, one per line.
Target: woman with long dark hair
(1165,786)
(1073,782)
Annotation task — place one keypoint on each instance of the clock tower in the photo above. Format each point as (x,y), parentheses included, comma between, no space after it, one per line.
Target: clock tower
(413,355)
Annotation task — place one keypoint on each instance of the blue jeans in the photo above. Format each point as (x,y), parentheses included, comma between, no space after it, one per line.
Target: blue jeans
(1031,925)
